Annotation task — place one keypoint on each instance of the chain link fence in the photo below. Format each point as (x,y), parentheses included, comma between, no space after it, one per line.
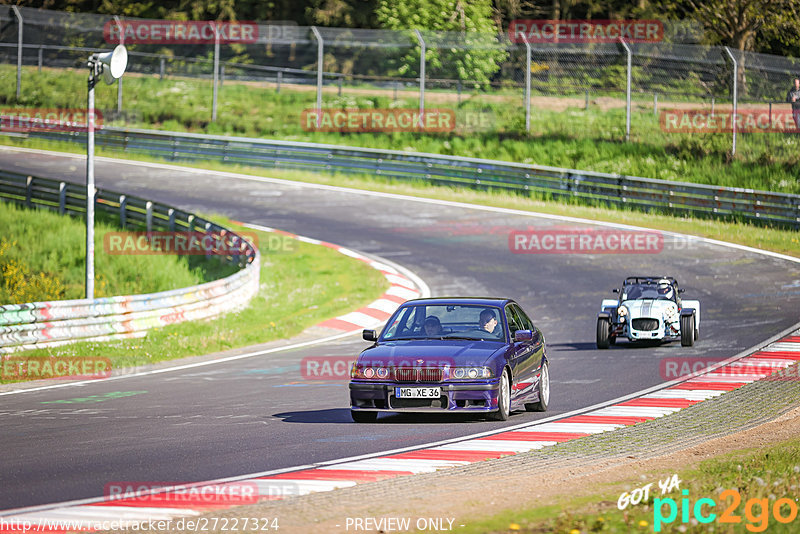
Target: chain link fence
(609,91)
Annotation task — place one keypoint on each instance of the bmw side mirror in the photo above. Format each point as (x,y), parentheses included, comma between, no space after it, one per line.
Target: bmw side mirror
(369,335)
(523,335)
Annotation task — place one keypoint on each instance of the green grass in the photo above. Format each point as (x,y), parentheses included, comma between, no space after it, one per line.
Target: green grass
(770,474)
(301,285)
(574,138)
(763,237)
(42,250)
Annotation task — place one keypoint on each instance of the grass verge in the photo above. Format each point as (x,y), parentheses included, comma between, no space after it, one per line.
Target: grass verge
(763,237)
(42,258)
(754,487)
(301,285)
(562,133)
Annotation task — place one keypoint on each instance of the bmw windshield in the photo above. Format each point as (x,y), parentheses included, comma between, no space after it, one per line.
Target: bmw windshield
(446,322)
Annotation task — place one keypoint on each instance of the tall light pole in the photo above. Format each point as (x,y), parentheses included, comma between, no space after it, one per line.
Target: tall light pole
(112,66)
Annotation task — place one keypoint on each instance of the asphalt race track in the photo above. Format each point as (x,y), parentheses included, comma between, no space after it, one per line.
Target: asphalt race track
(258,414)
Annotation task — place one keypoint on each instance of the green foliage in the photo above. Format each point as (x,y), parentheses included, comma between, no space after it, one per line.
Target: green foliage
(444,54)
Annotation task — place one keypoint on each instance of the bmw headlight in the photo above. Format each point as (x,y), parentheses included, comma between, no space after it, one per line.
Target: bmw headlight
(379,373)
(470,373)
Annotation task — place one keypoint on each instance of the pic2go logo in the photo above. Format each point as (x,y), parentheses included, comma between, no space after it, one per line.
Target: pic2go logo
(756,511)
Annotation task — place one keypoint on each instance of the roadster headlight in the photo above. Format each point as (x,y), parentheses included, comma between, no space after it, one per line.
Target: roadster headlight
(622,311)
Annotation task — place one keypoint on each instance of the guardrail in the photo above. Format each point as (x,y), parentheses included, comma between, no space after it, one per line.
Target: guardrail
(42,324)
(680,198)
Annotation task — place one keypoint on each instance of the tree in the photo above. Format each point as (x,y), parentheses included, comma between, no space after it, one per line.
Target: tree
(462,34)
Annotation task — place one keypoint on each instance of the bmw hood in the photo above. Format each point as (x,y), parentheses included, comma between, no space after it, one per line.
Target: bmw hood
(424,353)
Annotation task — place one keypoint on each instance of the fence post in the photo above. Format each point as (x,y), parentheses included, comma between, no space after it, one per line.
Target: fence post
(735,98)
(586,105)
(161,69)
(221,75)
(39,63)
(655,104)
(422,50)
(216,74)
(20,24)
(171,223)
(713,101)
(340,85)
(627,90)
(119,80)
(527,85)
(320,58)
(278,81)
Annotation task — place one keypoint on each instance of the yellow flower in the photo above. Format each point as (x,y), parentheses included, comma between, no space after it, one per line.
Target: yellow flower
(643,523)
(513,526)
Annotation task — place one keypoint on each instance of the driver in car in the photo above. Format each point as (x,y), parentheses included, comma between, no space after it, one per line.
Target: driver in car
(665,291)
(488,321)
(432,326)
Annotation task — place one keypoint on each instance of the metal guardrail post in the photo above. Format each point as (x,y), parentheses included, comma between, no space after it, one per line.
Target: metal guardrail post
(119,80)
(422,50)
(20,24)
(655,104)
(320,60)
(161,69)
(278,80)
(39,62)
(216,74)
(171,223)
(29,192)
(148,216)
(123,211)
(627,90)
(527,85)
(62,198)
(221,75)
(735,98)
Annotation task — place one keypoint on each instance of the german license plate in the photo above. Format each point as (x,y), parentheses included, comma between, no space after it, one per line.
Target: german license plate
(417,393)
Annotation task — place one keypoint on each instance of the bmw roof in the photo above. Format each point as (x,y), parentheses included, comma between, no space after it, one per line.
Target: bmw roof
(478,301)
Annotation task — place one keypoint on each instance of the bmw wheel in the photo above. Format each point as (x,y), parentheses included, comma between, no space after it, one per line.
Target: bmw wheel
(544,391)
(503,399)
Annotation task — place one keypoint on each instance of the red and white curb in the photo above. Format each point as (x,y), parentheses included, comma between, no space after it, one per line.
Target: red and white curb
(195,500)
(375,313)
